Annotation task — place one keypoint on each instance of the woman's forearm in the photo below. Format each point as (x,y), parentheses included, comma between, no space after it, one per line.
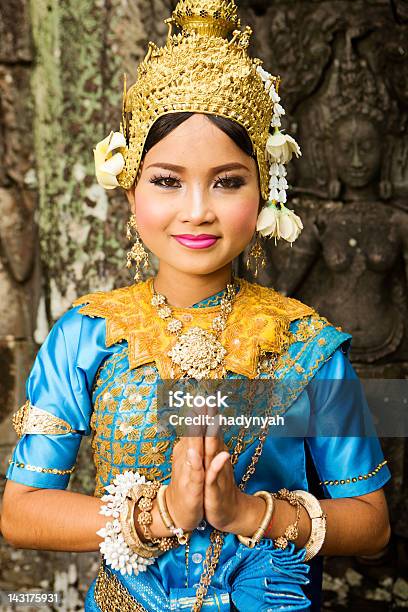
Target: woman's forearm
(353,526)
(49,519)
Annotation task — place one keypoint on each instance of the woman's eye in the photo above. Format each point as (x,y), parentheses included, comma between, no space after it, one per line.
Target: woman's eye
(165,181)
(230,182)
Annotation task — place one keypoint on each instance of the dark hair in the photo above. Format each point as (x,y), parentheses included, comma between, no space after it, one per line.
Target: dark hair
(167,123)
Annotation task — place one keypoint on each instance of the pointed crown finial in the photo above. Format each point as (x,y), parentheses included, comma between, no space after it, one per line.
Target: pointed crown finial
(207,17)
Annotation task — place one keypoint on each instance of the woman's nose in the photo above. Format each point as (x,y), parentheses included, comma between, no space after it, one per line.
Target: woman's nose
(197,207)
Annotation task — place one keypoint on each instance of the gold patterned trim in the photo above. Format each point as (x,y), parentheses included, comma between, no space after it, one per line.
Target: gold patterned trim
(32,420)
(110,594)
(42,470)
(258,323)
(355,478)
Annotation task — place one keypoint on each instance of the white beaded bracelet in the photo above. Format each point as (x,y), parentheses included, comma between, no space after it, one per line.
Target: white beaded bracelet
(114,549)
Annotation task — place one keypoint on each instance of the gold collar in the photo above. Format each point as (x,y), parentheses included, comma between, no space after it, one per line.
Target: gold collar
(259,322)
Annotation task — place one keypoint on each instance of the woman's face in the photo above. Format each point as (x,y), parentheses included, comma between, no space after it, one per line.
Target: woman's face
(196,181)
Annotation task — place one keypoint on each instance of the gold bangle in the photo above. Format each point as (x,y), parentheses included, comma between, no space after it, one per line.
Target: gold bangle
(145,505)
(144,519)
(318,520)
(137,494)
(130,534)
(292,530)
(181,535)
(259,533)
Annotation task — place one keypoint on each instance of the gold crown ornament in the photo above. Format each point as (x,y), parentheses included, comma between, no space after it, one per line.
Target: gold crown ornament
(205,67)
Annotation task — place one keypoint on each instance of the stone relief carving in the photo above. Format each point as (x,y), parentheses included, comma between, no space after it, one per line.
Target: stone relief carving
(350,262)
(19,274)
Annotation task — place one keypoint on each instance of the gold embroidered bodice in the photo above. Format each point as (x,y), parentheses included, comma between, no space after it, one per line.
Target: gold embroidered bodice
(258,324)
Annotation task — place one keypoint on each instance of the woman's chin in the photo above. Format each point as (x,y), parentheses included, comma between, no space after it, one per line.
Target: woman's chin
(197,265)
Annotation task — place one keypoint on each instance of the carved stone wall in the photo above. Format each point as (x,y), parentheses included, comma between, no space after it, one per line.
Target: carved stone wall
(344,74)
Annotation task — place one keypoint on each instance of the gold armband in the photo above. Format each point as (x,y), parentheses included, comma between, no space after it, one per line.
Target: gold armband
(32,420)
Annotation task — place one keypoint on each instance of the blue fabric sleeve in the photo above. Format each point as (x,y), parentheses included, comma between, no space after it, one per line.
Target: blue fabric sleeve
(60,382)
(344,446)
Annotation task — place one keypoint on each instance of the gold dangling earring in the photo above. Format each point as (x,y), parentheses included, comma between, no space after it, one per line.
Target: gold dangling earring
(137,252)
(255,254)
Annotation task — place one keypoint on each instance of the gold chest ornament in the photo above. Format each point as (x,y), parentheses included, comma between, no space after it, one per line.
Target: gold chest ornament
(197,351)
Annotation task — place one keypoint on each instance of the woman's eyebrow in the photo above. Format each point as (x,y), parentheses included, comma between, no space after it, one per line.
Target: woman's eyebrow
(176,168)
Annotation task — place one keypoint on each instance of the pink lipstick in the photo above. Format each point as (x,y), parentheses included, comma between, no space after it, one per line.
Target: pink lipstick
(202,241)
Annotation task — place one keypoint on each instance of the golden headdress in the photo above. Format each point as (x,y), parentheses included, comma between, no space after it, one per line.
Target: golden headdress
(204,67)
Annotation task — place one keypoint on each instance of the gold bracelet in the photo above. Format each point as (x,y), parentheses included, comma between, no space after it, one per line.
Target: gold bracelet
(259,533)
(130,534)
(318,520)
(181,535)
(144,519)
(292,531)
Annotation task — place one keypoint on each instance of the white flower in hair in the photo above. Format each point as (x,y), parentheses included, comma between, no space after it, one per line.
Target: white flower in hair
(279,110)
(107,163)
(265,76)
(290,225)
(279,223)
(274,96)
(267,222)
(280,147)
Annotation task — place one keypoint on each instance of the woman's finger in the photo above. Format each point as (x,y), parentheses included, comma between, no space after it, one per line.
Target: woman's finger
(192,459)
(216,466)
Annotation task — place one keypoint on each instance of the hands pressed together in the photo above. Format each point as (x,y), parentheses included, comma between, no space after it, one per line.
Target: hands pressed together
(203,487)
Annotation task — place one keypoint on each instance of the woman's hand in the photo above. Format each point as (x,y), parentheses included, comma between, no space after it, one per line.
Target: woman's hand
(226,507)
(185,493)
(221,494)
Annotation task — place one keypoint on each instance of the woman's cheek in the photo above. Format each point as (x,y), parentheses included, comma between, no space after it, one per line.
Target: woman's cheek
(151,215)
(243,217)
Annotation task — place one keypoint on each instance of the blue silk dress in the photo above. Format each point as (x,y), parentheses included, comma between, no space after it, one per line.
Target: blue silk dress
(100,380)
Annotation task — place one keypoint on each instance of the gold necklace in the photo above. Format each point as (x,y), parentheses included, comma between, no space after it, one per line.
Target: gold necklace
(198,352)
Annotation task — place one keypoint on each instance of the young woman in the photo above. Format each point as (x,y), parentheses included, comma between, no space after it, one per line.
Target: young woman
(196,181)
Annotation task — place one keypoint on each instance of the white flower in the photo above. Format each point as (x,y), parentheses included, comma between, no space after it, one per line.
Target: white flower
(279,110)
(274,95)
(114,548)
(265,76)
(107,164)
(279,223)
(268,221)
(280,147)
(290,225)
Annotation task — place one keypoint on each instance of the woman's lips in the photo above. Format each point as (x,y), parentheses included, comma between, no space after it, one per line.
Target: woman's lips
(196,243)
